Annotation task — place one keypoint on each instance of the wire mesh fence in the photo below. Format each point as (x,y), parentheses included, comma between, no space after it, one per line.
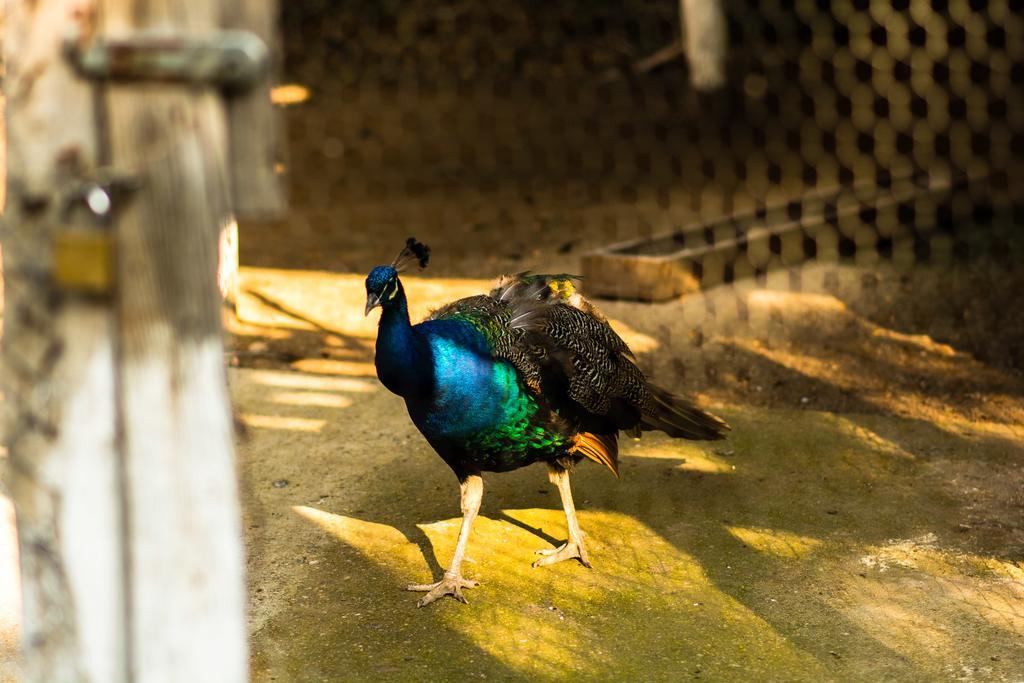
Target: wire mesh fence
(530,135)
(873,130)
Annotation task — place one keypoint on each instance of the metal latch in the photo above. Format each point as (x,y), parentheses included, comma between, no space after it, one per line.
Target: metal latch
(84,251)
(233,60)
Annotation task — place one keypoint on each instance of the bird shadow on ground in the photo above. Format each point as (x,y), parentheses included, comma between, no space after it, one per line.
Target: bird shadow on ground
(534,530)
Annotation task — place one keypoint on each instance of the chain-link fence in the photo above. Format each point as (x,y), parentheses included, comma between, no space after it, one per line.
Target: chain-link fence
(871,130)
(886,136)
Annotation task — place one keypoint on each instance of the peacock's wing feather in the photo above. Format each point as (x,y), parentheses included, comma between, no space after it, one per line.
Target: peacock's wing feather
(581,354)
(494,316)
(572,359)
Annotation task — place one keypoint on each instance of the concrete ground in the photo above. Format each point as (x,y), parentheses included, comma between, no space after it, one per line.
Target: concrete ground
(878,543)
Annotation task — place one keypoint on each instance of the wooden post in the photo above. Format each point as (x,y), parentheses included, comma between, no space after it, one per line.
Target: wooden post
(255,139)
(705,42)
(227,266)
(187,602)
(117,414)
(58,371)
(255,146)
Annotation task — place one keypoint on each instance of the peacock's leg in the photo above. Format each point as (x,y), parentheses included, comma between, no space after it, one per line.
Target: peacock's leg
(472,491)
(573,548)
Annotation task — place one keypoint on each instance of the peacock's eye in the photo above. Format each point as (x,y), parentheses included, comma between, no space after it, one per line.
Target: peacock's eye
(389,290)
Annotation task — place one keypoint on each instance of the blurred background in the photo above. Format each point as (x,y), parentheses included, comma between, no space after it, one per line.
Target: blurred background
(525,129)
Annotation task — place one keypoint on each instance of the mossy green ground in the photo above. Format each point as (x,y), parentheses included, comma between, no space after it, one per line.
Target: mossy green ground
(809,546)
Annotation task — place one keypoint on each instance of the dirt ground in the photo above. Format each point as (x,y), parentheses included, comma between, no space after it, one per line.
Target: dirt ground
(862,522)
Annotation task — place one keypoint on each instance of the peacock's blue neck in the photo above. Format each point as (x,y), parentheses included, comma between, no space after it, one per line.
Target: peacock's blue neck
(403,359)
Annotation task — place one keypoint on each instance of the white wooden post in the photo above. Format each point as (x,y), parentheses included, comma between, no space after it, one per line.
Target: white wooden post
(58,372)
(117,414)
(227,265)
(257,154)
(704,44)
(185,564)
(705,41)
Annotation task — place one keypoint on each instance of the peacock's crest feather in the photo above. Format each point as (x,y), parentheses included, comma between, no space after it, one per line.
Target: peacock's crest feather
(412,252)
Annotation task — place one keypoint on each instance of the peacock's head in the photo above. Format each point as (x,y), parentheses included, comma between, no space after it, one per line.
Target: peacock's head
(382,285)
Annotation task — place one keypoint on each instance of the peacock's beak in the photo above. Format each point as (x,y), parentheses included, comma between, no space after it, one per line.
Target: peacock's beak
(372,302)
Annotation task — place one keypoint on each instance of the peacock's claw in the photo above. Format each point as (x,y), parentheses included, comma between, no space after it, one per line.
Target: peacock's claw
(570,550)
(451,584)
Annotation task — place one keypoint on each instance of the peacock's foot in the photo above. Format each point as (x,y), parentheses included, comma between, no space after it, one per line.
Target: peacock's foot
(451,584)
(570,550)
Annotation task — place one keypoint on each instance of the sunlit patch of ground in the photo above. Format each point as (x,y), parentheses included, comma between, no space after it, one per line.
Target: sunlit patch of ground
(920,598)
(313,300)
(773,542)
(563,632)
(690,457)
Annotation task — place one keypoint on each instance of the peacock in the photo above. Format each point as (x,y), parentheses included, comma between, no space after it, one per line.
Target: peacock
(530,372)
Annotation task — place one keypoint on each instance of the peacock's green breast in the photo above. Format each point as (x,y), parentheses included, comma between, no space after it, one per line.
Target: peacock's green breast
(481,405)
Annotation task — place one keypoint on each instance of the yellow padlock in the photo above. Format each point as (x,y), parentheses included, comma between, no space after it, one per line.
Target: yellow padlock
(84,261)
